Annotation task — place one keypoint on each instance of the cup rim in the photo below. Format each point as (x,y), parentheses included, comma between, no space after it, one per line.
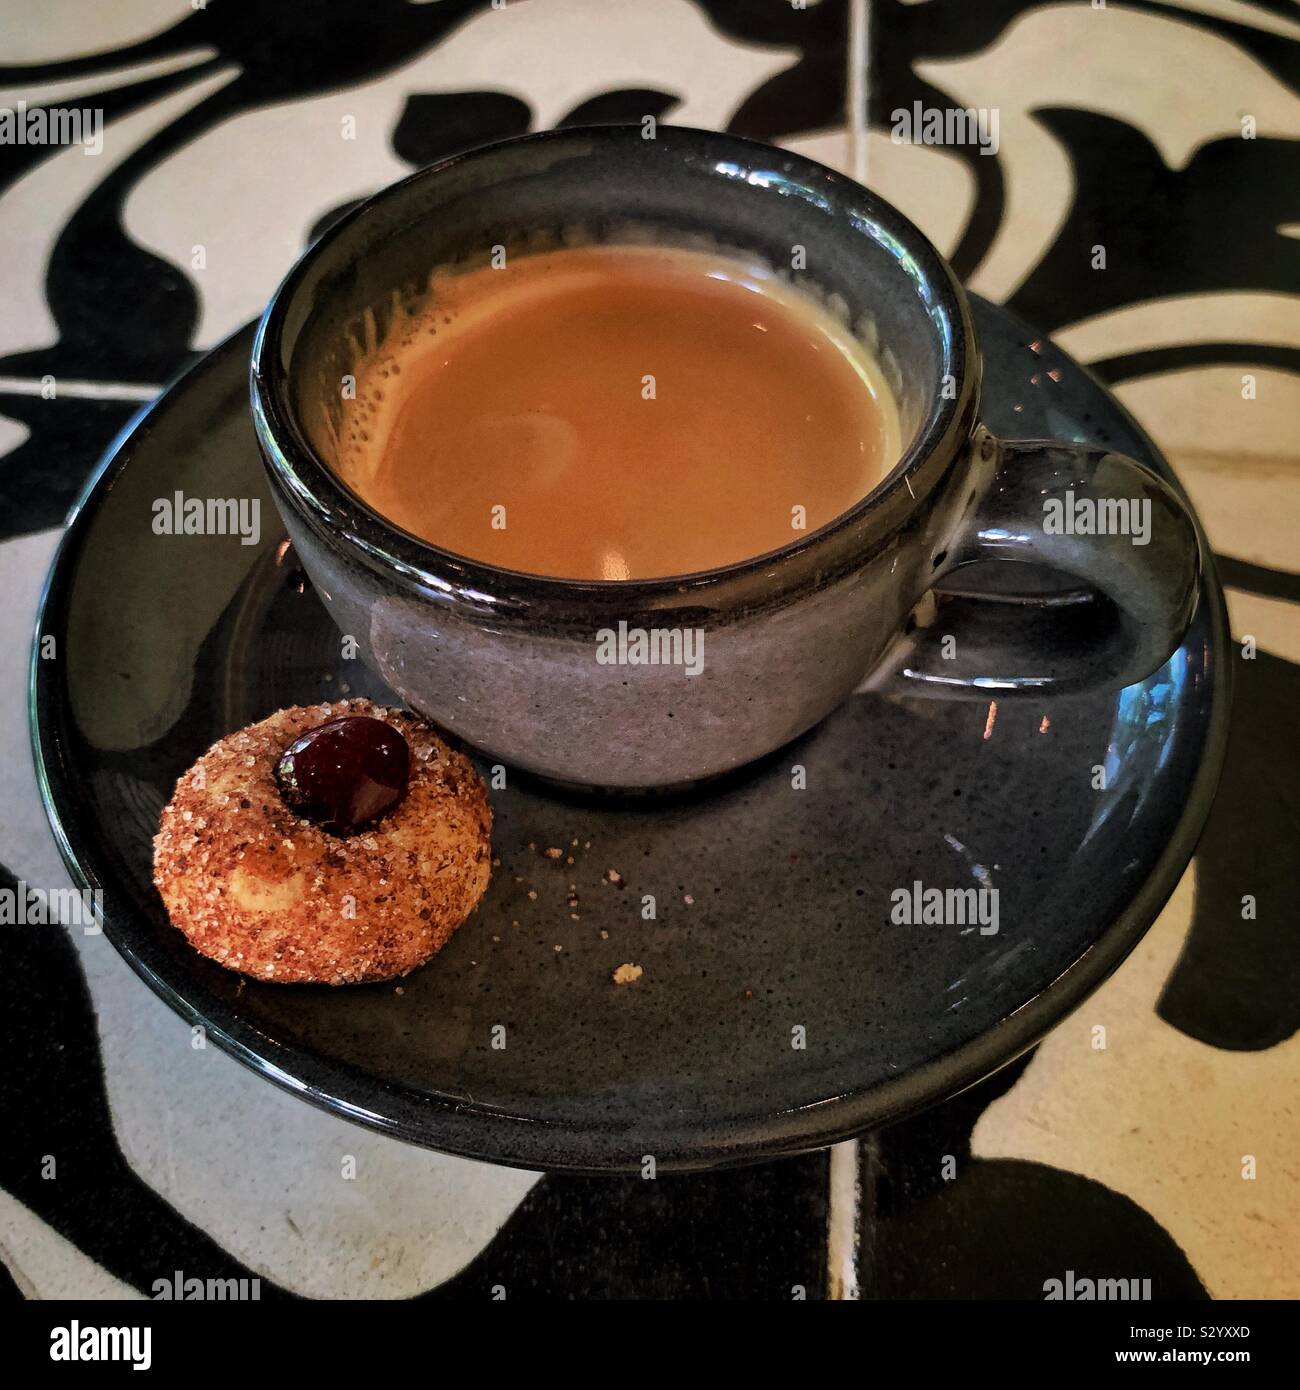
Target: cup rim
(339,511)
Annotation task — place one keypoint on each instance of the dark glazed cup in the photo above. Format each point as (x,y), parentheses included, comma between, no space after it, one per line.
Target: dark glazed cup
(519,665)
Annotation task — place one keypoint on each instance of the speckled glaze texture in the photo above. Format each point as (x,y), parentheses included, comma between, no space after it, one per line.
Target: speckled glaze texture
(789,918)
(509,661)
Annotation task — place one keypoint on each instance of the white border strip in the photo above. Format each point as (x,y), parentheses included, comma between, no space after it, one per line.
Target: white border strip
(842,1222)
(78,390)
(858,112)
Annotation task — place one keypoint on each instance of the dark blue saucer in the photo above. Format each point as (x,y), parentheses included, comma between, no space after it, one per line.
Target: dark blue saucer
(779,1007)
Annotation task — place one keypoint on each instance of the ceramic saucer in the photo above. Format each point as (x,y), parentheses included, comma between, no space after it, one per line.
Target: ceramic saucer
(779,1007)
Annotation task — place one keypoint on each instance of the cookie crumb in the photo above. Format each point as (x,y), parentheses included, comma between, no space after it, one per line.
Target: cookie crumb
(614,877)
(626,973)
(554,853)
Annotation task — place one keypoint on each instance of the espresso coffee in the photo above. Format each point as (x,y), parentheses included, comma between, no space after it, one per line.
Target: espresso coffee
(615,412)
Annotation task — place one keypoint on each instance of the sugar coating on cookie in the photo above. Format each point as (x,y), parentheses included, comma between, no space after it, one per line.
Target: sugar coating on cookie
(276,897)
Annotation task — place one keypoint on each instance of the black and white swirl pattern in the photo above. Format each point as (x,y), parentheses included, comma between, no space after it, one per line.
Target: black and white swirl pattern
(1167,132)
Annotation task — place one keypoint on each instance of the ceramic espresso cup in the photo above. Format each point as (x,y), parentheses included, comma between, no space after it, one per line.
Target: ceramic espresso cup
(659,682)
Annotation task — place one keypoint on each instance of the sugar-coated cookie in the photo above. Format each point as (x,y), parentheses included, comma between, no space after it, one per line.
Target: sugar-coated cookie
(262,890)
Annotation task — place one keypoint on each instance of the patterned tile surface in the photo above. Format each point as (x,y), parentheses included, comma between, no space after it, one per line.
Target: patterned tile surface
(1167,133)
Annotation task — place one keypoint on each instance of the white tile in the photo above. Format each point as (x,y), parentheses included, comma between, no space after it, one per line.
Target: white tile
(45,1265)
(252,215)
(1166,1120)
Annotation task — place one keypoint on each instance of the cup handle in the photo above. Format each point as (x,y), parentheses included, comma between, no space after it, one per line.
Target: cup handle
(1099,517)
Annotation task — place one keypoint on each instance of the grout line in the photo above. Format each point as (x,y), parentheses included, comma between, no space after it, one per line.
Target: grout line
(77,390)
(842,1222)
(859,114)
(869,1214)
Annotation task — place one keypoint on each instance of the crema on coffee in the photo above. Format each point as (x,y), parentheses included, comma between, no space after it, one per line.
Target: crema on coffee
(615,412)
